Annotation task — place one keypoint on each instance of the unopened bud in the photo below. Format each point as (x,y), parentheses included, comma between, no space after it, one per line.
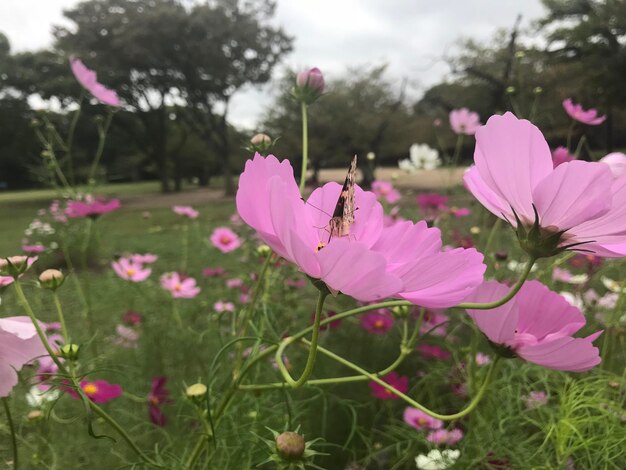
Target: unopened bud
(261,143)
(371,156)
(260,139)
(51,279)
(263,250)
(309,85)
(69,351)
(290,445)
(510,90)
(475,230)
(196,391)
(34,415)
(14,266)
(400,311)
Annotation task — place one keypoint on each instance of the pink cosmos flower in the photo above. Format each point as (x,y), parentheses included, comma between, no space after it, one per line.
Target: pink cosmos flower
(616,162)
(159,395)
(33,249)
(93,208)
(464,121)
(19,345)
(373,262)
(400,383)
(535,399)
(393,217)
(430,351)
(295,283)
(130,270)
(579,114)
(234,283)
(186,211)
(460,211)
(98,391)
(221,306)
(578,204)
(52,327)
(126,337)
(443,436)
(183,288)
(537,326)
(434,323)
(379,322)
(482,359)
(146,258)
(6,281)
(213,272)
(432,204)
(561,155)
(419,420)
(88,79)
(385,190)
(225,240)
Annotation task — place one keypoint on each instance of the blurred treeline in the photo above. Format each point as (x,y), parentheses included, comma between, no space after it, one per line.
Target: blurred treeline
(177,64)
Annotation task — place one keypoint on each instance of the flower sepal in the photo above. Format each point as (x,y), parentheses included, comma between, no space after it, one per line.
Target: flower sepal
(537,241)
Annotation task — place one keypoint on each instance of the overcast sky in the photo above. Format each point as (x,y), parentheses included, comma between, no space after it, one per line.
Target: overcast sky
(411,36)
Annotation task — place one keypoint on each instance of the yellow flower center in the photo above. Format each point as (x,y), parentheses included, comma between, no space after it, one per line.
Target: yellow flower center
(178,287)
(224,239)
(130,272)
(90,389)
(320,245)
(379,324)
(421,421)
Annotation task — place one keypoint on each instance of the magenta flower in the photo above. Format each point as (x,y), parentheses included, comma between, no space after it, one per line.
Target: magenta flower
(225,240)
(616,162)
(132,318)
(186,211)
(430,351)
(385,190)
(537,326)
(98,391)
(213,272)
(432,204)
(460,211)
(464,121)
(179,287)
(34,249)
(379,322)
(373,262)
(400,383)
(577,205)
(443,436)
(88,79)
(434,323)
(579,114)
(19,345)
(419,420)
(93,208)
(158,396)
(561,155)
(130,270)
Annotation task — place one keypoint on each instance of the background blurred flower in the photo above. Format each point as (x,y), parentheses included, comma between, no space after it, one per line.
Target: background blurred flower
(561,155)
(421,157)
(464,121)
(130,270)
(443,436)
(94,208)
(379,322)
(225,240)
(400,383)
(157,397)
(88,79)
(186,211)
(437,460)
(576,112)
(385,190)
(535,399)
(419,420)
(616,162)
(177,286)
(98,391)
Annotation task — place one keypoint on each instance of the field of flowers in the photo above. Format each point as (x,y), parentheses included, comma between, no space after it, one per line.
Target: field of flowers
(335,327)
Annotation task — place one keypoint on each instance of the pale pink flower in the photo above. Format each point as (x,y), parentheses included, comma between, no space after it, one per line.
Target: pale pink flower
(482,359)
(535,399)
(6,281)
(419,420)
(579,205)
(186,211)
(88,79)
(464,121)
(400,383)
(537,326)
(385,190)
(579,114)
(19,345)
(126,337)
(561,155)
(146,258)
(234,283)
(130,270)
(616,162)
(221,306)
(373,262)
(434,323)
(225,240)
(443,436)
(563,275)
(460,211)
(178,286)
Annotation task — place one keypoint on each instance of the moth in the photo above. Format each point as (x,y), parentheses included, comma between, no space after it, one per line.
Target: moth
(343,215)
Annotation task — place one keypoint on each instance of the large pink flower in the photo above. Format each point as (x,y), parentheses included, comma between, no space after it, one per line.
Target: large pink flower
(586,116)
(19,345)
(514,176)
(537,325)
(373,262)
(88,79)
(464,121)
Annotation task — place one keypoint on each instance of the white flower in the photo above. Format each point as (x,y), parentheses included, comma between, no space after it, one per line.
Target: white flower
(421,157)
(573,300)
(518,267)
(37,397)
(611,285)
(437,460)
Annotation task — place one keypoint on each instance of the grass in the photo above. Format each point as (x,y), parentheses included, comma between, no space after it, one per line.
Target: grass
(582,420)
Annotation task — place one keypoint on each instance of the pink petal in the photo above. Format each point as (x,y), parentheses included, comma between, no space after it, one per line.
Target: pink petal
(571,354)
(499,323)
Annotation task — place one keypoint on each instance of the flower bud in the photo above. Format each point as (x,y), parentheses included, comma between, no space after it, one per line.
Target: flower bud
(260,139)
(34,415)
(14,266)
(309,85)
(263,250)
(371,156)
(196,391)
(51,279)
(290,445)
(537,90)
(510,90)
(400,311)
(475,230)
(69,351)
(261,143)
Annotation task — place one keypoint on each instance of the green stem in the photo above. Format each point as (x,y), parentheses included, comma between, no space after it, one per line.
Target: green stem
(310,362)
(457,150)
(7,410)
(185,243)
(102,133)
(579,147)
(57,303)
(570,133)
(176,314)
(305,146)
(70,139)
(492,235)
(451,417)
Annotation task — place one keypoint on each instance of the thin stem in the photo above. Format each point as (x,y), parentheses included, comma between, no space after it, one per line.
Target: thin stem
(102,133)
(492,235)
(570,133)
(176,314)
(579,147)
(305,146)
(457,149)
(310,362)
(468,409)
(185,247)
(70,139)
(57,303)
(7,410)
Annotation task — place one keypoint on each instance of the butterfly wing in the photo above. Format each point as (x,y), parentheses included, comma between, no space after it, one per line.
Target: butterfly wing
(343,215)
